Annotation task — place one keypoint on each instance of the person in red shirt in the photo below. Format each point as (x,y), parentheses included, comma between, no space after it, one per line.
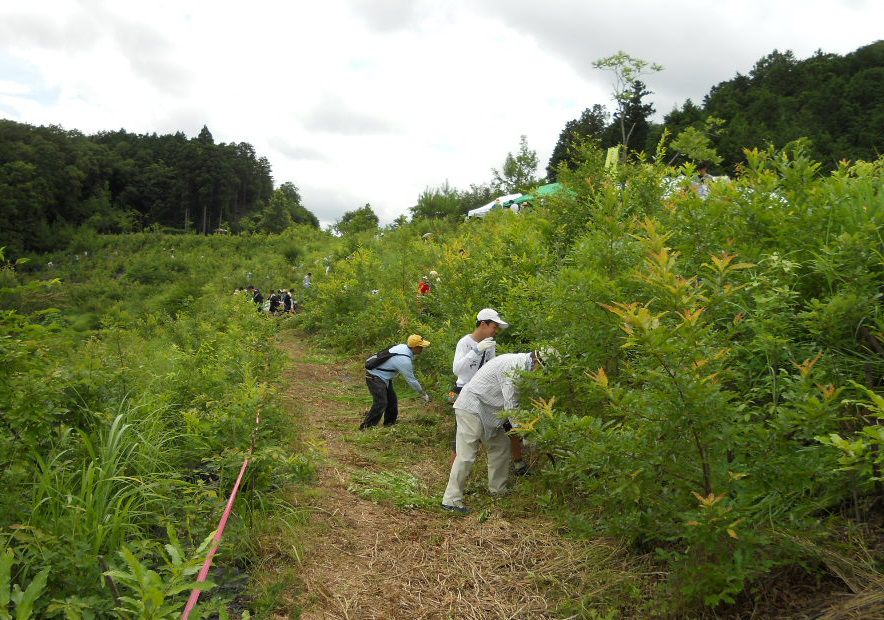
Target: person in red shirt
(423,286)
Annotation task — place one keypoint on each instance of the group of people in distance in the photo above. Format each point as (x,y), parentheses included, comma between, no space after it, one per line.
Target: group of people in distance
(279,302)
(485,387)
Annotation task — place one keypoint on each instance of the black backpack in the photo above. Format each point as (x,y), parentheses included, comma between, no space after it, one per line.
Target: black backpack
(379,358)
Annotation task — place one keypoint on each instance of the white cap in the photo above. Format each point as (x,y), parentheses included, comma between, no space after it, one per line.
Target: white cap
(489,314)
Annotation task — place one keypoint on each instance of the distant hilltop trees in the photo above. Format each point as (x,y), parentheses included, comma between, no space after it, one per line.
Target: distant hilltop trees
(835,102)
(53,181)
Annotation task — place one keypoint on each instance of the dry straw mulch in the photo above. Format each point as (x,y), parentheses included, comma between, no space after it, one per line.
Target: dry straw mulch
(375,562)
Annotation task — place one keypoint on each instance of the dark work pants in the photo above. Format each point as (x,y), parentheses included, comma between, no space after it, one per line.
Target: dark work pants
(385,402)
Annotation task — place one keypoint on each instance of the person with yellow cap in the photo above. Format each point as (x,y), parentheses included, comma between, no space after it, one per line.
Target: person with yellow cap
(381,369)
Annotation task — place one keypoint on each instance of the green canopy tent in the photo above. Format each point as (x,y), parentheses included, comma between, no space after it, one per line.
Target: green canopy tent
(540,192)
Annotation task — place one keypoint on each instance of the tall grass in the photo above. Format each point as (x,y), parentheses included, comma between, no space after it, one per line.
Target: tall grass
(139,424)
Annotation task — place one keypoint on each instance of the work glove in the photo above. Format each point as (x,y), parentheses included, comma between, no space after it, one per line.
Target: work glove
(425,397)
(486,344)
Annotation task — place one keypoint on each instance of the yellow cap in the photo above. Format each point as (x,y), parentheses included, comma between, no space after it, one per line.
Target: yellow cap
(416,341)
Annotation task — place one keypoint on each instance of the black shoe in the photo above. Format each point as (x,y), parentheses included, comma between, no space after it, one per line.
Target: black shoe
(461,509)
(524,470)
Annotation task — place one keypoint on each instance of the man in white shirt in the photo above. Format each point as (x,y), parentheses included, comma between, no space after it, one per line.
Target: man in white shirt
(490,391)
(474,349)
(470,354)
(703,179)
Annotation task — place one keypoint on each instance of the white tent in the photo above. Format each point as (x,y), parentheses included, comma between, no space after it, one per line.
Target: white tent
(497,203)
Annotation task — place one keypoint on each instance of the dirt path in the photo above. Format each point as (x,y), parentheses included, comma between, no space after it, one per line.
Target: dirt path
(379,547)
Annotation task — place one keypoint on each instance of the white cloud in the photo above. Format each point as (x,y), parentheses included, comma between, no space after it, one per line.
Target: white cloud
(371,101)
(293,152)
(8,87)
(334,115)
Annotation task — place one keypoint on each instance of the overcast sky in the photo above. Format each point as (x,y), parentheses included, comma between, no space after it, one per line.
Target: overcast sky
(372,101)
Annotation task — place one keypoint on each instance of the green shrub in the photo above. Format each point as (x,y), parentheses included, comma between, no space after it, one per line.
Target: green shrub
(705,343)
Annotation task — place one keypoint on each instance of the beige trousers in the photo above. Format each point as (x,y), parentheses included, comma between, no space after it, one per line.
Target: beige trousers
(469,436)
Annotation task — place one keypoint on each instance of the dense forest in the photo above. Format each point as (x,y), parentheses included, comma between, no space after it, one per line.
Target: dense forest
(53,181)
(832,101)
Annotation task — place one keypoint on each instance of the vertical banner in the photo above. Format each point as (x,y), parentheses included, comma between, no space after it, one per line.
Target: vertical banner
(612,158)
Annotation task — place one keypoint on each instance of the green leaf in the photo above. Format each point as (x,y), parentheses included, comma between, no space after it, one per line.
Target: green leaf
(137,568)
(6,560)
(174,555)
(875,398)
(202,586)
(16,595)
(26,605)
(875,432)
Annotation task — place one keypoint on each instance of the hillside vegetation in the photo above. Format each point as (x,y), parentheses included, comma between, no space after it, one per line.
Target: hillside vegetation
(717,401)
(718,397)
(130,384)
(54,182)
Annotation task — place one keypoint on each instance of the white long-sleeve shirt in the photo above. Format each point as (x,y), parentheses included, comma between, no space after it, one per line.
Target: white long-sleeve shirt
(467,359)
(493,389)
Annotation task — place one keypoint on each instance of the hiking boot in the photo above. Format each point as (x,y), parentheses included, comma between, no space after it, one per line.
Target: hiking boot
(461,509)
